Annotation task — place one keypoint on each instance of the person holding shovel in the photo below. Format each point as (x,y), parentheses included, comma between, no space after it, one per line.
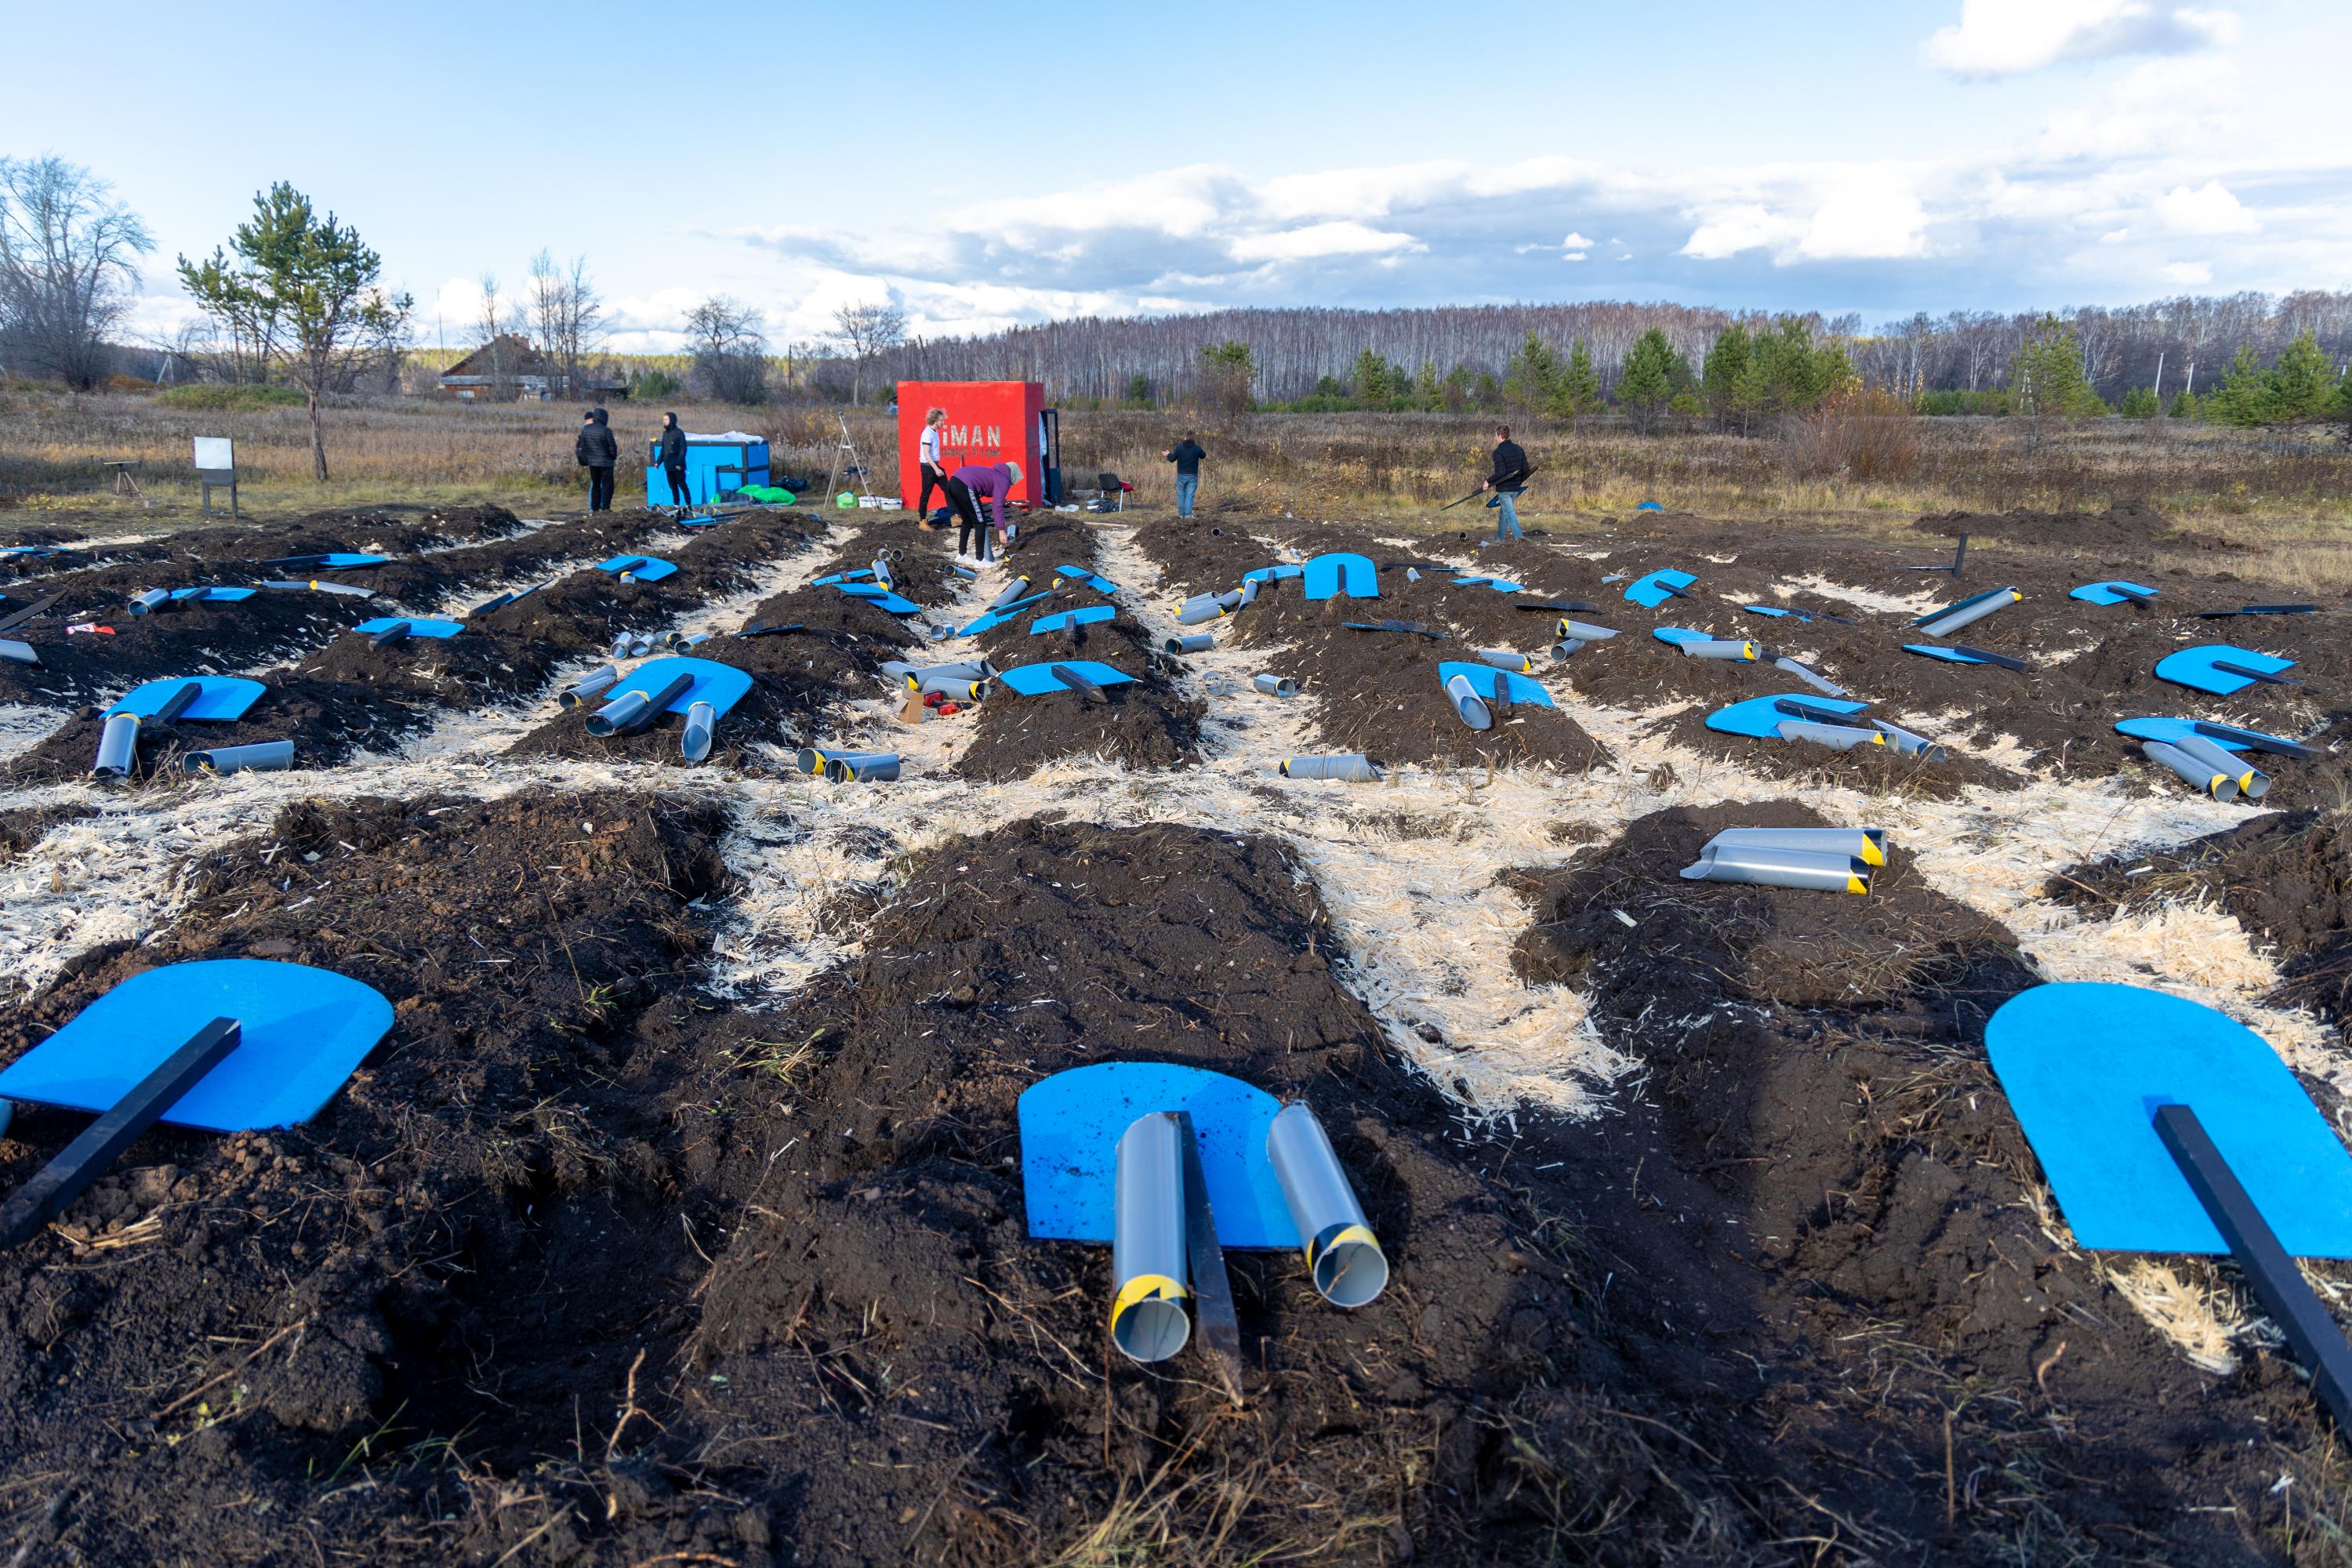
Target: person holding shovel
(598,453)
(966,487)
(1186,455)
(1509,477)
(673,462)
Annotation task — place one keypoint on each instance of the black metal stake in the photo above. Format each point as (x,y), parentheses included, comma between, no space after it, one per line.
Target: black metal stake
(1213,1292)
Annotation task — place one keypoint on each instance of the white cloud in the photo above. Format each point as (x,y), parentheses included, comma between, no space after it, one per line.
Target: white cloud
(2003,37)
(1346,238)
(1730,230)
(2159,106)
(2189,274)
(2210,208)
(1575,241)
(1869,215)
(1573,255)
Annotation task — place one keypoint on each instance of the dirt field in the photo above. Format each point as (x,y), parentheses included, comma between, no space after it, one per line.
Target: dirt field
(679,1219)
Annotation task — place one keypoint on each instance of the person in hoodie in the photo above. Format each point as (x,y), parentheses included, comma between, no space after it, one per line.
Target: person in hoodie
(598,453)
(966,488)
(1509,477)
(673,461)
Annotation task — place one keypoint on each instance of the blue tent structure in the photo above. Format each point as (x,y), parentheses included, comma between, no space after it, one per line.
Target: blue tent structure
(714,465)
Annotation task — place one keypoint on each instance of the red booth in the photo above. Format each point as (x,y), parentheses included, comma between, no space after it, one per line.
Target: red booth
(987,421)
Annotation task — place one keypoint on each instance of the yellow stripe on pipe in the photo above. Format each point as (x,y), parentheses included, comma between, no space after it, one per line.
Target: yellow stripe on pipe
(1857,885)
(1146,1287)
(1337,1237)
(1748,650)
(1872,855)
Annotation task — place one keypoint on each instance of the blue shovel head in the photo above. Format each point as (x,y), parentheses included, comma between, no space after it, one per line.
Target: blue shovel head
(838,578)
(1341,575)
(2087,1065)
(720,685)
(1657,587)
(1758,718)
(2193,668)
(1275,573)
(2170,730)
(1948,655)
(1066,618)
(648,568)
(1080,575)
(212,596)
(225,698)
(995,618)
(1517,688)
(1037,679)
(2107,593)
(418,626)
(1500,584)
(1674,637)
(1071,1124)
(880,598)
(304,1030)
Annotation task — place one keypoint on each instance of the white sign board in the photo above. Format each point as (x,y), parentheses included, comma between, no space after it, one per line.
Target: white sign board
(215,452)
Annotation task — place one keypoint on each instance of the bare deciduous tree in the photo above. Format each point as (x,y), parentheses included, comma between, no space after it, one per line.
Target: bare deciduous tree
(864,332)
(494,322)
(567,316)
(68,264)
(730,357)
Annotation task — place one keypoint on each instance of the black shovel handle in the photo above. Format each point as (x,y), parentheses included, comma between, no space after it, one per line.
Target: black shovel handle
(759,629)
(483,609)
(1075,681)
(1565,607)
(393,633)
(2260,610)
(18,617)
(658,704)
(179,702)
(1810,714)
(627,564)
(298,561)
(1213,1291)
(2264,676)
(86,1159)
(2254,740)
(1984,656)
(2278,1284)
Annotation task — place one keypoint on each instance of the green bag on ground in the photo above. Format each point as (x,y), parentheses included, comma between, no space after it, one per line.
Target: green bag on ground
(767,495)
(846,501)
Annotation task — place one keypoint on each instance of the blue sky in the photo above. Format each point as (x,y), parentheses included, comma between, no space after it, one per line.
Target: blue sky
(986,165)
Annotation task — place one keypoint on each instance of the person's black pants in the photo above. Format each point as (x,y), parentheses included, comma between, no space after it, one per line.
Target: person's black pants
(932,480)
(599,489)
(677,491)
(968,518)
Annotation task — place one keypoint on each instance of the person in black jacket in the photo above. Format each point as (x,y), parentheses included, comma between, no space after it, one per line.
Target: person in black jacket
(597,452)
(673,461)
(1186,455)
(1509,477)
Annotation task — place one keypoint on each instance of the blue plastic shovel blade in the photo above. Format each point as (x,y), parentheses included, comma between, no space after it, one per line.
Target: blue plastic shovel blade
(1080,575)
(1037,679)
(1948,655)
(2194,668)
(225,698)
(720,685)
(418,625)
(2154,728)
(1517,688)
(304,1030)
(1676,635)
(1657,587)
(2109,593)
(1066,618)
(643,568)
(2087,1065)
(1760,718)
(1340,574)
(1071,1124)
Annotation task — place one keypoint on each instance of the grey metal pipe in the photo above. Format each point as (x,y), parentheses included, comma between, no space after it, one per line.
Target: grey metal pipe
(1010,592)
(961,690)
(16,652)
(1343,1256)
(2203,776)
(1838,737)
(1865,844)
(882,570)
(1584,631)
(701,719)
(1767,866)
(1718,647)
(1249,592)
(350,590)
(1192,642)
(1504,658)
(1563,650)
(152,599)
(1348,767)
(1810,675)
(811,759)
(118,748)
(1195,611)
(1468,705)
(970,574)
(2252,783)
(1276,685)
(588,685)
(1150,1268)
(862,767)
(1909,744)
(261,757)
(633,710)
(680,641)
(1969,615)
(959,670)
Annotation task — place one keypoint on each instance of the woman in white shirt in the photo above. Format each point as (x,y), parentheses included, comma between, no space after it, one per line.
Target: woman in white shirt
(935,472)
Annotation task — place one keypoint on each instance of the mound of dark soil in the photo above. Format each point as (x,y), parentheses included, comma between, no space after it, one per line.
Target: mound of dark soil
(200,638)
(1815,1219)
(23,826)
(2128,526)
(238,1349)
(2287,878)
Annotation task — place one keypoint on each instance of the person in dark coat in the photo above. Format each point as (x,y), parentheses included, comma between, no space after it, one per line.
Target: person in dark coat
(1509,477)
(598,453)
(673,461)
(1186,455)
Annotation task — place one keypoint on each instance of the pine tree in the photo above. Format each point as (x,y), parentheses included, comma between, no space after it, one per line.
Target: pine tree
(1375,380)
(2247,395)
(2303,384)
(1646,384)
(1578,391)
(1729,378)
(1428,393)
(1533,374)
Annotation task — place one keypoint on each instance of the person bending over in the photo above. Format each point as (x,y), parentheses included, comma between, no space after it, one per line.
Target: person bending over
(1186,455)
(1509,477)
(967,487)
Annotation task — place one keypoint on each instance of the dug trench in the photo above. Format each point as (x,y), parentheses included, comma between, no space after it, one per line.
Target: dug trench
(352,696)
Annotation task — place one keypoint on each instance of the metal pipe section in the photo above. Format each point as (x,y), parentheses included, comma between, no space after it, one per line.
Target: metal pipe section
(1867,844)
(1504,658)
(1343,1256)
(16,652)
(633,710)
(152,599)
(701,719)
(1348,767)
(1195,611)
(1564,650)
(1767,866)
(588,685)
(118,748)
(1150,1268)
(1249,590)
(1468,706)
(627,646)
(1718,647)
(1909,744)
(1838,737)
(680,641)
(1970,611)
(811,759)
(861,767)
(1811,676)
(959,669)
(1010,592)
(2203,777)
(2252,783)
(1276,685)
(261,757)
(1192,642)
(950,686)
(1583,631)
